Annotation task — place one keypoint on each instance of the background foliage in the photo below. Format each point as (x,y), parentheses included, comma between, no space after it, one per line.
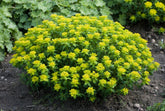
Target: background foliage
(28,13)
(8,29)
(157,107)
(133,11)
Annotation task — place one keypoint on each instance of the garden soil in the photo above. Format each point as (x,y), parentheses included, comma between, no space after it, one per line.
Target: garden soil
(16,96)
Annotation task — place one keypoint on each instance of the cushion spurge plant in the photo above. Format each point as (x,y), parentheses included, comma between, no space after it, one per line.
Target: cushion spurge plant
(83,56)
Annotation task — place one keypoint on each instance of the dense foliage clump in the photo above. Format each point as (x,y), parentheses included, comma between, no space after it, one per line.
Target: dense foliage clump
(133,11)
(8,30)
(28,13)
(83,56)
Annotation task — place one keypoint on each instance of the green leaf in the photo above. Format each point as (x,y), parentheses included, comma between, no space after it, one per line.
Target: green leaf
(7,1)
(5,11)
(19,1)
(1,45)
(75,7)
(26,6)
(120,1)
(9,24)
(94,11)
(84,10)
(105,11)
(6,21)
(66,12)
(85,2)
(63,3)
(9,46)
(27,25)
(6,35)
(99,3)
(110,3)
(23,18)
(36,21)
(72,1)
(2,56)
(35,14)
(20,25)
(122,19)
(42,6)
(1,41)
(16,35)
(12,26)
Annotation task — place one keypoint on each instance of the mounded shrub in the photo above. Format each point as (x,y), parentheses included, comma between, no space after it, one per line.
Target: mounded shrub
(83,56)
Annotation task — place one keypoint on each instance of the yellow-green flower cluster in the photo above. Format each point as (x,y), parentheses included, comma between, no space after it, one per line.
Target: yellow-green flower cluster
(124,91)
(133,18)
(74,93)
(148,4)
(84,56)
(161,30)
(159,5)
(152,11)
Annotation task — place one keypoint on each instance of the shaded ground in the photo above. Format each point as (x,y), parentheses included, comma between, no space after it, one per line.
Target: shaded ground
(15,96)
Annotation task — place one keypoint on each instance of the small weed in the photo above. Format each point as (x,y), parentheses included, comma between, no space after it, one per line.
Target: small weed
(162,44)
(157,107)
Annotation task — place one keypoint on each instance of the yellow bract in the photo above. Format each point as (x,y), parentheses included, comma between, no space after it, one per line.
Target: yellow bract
(73,70)
(159,5)
(44,78)
(64,74)
(35,79)
(31,71)
(50,49)
(134,75)
(52,64)
(42,67)
(41,55)
(121,71)
(36,63)
(107,74)
(93,59)
(71,55)
(132,18)
(112,82)
(73,93)
(148,4)
(124,91)
(102,82)
(86,77)
(63,53)
(152,12)
(90,91)
(85,51)
(75,82)
(57,87)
